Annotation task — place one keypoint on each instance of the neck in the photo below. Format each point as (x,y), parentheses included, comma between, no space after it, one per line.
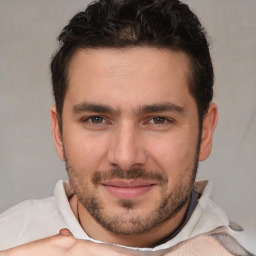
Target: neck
(148,239)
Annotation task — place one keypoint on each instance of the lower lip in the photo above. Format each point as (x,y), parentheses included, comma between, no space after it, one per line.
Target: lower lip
(128,192)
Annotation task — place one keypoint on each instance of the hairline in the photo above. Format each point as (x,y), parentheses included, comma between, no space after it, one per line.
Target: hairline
(190,72)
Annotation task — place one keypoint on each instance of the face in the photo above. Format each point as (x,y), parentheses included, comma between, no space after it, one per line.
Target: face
(130,136)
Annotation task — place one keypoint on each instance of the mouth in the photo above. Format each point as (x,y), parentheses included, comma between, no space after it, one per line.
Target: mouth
(128,189)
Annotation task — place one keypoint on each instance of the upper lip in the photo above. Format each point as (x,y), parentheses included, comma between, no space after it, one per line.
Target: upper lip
(128,183)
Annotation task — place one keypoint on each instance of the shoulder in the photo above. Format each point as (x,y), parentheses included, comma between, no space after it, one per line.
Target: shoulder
(28,209)
(28,221)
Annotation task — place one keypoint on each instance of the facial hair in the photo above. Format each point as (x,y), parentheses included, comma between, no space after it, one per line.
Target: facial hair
(126,222)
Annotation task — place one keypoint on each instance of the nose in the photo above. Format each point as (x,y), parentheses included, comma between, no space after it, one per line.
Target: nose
(126,149)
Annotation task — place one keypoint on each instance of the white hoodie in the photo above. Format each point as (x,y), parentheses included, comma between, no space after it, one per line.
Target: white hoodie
(208,230)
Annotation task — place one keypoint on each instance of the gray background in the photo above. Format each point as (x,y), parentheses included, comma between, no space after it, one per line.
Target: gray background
(29,165)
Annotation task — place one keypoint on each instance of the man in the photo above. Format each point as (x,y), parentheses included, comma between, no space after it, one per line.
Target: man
(132,82)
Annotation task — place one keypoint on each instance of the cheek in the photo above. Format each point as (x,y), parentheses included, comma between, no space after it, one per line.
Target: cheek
(84,152)
(174,154)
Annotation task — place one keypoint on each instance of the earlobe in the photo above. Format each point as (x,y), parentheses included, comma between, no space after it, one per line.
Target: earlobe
(209,124)
(56,133)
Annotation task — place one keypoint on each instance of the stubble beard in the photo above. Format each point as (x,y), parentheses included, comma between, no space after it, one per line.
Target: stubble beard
(126,222)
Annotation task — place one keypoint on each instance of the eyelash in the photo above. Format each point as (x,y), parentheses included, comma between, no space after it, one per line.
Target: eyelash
(151,121)
(90,118)
(161,118)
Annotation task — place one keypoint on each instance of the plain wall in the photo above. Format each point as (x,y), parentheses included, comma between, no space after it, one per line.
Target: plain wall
(29,164)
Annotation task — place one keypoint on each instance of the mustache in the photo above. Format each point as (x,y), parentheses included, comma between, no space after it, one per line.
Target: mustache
(132,174)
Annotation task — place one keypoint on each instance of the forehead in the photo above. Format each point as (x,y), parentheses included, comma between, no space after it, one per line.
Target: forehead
(139,75)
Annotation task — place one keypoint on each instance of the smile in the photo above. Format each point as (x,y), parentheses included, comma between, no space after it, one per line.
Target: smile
(128,189)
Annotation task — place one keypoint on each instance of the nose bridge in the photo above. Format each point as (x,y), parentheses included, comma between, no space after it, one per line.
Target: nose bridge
(126,149)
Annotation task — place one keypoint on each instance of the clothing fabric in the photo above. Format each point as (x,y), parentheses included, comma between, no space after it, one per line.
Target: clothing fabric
(194,198)
(208,227)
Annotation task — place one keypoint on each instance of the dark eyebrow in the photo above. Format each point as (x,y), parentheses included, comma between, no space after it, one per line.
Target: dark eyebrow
(154,108)
(97,108)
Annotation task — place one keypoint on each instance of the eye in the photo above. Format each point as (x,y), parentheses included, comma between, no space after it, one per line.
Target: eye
(95,120)
(158,120)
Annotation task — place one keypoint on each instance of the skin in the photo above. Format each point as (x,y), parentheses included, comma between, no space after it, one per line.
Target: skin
(127,137)
(65,245)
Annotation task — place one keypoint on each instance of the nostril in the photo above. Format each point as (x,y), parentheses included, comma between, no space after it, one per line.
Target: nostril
(126,148)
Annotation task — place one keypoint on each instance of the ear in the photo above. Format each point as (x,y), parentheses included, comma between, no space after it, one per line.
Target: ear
(56,133)
(208,126)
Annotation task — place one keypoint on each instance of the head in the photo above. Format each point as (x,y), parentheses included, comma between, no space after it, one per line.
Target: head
(133,82)
(122,24)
